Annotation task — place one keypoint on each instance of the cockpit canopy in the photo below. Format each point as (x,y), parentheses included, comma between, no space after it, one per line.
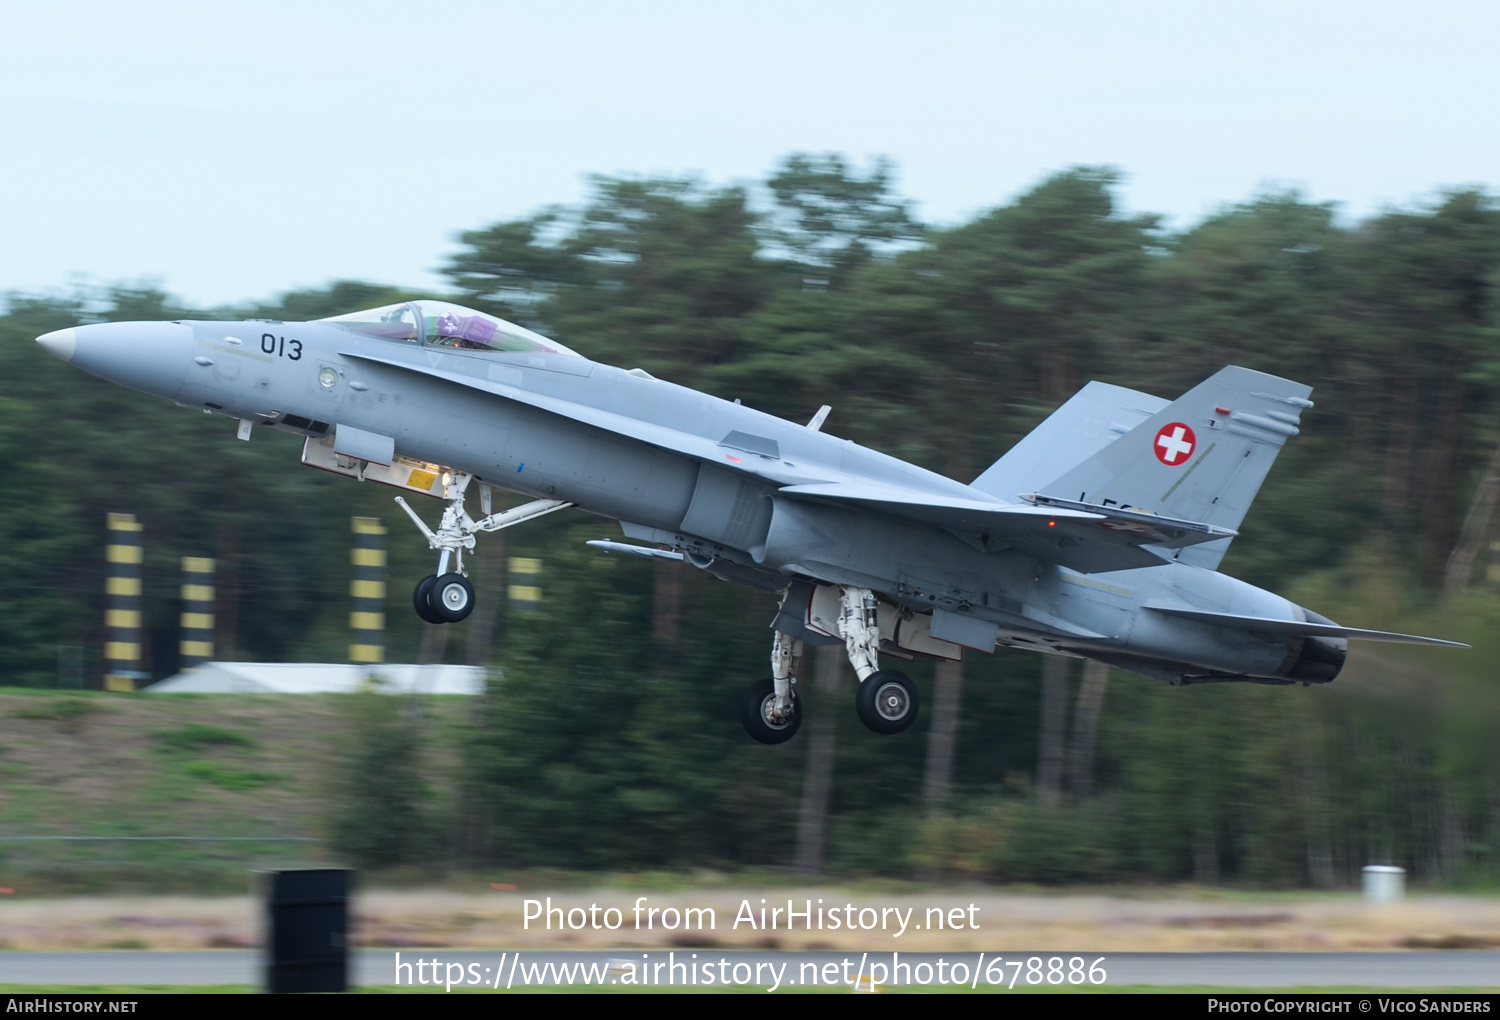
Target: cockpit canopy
(444,324)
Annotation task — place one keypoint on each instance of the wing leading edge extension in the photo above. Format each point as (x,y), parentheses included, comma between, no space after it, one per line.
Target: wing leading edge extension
(661,436)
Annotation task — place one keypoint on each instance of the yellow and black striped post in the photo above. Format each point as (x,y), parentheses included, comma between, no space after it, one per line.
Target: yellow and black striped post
(367,617)
(122,604)
(197,645)
(525,592)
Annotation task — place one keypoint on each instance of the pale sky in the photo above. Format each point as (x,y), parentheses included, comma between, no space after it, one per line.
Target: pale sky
(230,151)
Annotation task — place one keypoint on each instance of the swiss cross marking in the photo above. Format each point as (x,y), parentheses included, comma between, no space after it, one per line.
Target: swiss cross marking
(1174,443)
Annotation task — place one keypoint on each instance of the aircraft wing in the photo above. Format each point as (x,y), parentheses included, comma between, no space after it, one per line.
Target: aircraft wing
(1296,628)
(1087,538)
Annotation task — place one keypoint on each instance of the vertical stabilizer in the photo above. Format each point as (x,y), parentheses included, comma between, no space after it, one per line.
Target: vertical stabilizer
(1202,457)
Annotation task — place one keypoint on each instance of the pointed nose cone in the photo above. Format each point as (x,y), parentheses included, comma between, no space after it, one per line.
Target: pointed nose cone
(148,356)
(60,342)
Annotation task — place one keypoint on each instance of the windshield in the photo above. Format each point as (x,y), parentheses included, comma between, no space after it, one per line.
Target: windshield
(444,324)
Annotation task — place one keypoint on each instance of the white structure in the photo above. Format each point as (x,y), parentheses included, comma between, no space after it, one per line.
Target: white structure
(1384,883)
(321,678)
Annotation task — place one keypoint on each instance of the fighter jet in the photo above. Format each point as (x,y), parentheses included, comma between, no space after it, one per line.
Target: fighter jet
(1098,535)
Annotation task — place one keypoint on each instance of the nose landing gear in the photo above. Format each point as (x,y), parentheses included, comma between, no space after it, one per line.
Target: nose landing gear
(447,596)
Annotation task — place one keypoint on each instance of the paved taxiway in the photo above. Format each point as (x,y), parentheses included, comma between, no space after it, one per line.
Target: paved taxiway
(1461,969)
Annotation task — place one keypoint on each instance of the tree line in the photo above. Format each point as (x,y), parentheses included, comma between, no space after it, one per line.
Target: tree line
(610,738)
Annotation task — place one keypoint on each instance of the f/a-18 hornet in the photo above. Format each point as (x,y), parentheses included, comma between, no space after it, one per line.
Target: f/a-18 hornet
(1098,535)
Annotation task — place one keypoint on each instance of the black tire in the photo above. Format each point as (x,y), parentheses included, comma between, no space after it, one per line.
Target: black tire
(887,701)
(753,714)
(421,600)
(452,597)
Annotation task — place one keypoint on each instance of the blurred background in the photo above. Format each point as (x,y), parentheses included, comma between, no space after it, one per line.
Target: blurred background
(608,741)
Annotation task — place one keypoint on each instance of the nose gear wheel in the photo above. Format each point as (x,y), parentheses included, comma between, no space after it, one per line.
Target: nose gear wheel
(451,597)
(421,600)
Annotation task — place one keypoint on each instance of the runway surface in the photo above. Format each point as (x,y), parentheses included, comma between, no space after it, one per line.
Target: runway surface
(707,967)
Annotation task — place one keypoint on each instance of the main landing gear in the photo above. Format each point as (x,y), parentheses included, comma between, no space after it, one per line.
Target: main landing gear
(447,596)
(886,700)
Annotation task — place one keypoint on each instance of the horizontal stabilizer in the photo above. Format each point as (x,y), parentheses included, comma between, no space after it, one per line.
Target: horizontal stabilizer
(945,511)
(1297,628)
(1166,531)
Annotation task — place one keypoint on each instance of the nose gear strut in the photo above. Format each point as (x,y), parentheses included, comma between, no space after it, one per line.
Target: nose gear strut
(771,712)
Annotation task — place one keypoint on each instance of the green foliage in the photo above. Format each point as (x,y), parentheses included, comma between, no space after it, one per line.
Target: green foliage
(185,746)
(832,222)
(595,750)
(658,274)
(194,738)
(335,299)
(36,536)
(382,814)
(993,324)
(70,713)
(227,776)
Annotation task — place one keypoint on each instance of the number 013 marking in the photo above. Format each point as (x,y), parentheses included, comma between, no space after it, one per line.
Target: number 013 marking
(270,344)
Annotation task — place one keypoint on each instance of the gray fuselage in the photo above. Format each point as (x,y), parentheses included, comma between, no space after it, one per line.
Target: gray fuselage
(703,474)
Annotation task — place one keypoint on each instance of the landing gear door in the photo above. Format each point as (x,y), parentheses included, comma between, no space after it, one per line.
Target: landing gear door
(915,635)
(824,606)
(900,630)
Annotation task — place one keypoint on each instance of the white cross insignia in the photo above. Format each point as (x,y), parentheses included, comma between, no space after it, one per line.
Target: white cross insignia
(1174,443)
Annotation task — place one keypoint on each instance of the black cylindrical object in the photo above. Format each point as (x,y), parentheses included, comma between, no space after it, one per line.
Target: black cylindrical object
(307,930)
